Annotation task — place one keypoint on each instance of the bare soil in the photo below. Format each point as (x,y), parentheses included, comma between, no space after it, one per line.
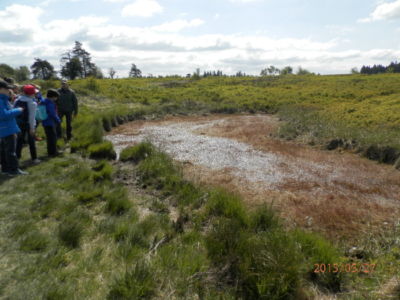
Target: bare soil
(339,194)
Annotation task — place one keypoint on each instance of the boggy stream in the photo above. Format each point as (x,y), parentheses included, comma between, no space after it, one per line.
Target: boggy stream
(337,194)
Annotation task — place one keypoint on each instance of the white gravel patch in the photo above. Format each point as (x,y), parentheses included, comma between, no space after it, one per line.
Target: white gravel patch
(221,153)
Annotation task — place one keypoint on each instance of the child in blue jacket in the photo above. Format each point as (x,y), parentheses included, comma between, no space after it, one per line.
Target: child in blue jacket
(8,132)
(51,122)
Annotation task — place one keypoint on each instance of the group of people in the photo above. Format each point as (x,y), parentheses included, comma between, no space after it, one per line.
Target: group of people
(18,107)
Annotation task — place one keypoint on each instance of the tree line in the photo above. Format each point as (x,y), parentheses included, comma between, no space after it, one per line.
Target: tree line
(77,63)
(394,67)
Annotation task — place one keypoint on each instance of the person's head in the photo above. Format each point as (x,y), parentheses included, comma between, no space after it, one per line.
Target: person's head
(5,88)
(16,89)
(64,84)
(29,90)
(9,80)
(52,94)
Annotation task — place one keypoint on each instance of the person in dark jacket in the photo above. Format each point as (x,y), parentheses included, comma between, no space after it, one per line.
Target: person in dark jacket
(8,132)
(51,122)
(28,126)
(67,106)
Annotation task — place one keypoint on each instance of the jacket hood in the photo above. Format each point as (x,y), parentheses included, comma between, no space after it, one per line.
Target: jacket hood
(25,99)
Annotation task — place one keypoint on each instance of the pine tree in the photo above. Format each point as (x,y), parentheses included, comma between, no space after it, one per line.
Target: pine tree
(135,72)
(83,69)
(42,69)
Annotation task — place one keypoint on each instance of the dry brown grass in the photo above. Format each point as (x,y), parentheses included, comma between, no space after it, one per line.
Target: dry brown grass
(342,192)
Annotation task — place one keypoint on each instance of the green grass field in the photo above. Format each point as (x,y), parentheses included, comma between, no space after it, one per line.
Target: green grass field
(82,226)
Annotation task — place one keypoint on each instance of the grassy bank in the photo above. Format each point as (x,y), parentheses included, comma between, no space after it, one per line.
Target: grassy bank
(77,230)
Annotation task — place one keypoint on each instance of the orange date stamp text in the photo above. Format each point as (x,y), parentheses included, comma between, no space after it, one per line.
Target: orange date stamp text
(348,268)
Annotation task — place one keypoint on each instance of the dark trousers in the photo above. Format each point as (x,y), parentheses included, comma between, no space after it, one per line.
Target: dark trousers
(31,141)
(51,139)
(9,160)
(68,116)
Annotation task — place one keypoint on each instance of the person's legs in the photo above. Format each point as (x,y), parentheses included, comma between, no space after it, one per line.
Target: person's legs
(60,115)
(32,146)
(51,138)
(20,138)
(68,116)
(9,161)
(4,165)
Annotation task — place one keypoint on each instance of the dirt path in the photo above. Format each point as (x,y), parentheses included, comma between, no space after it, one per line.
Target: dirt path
(338,194)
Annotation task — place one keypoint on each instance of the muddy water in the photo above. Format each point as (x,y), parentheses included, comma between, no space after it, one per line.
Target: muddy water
(332,192)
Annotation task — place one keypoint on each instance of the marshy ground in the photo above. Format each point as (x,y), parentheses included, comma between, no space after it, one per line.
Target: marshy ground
(339,194)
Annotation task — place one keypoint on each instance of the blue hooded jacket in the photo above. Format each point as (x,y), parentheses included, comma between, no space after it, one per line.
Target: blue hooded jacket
(52,119)
(8,124)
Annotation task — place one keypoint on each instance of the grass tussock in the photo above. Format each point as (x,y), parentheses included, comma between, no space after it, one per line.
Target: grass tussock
(70,233)
(137,282)
(103,150)
(137,153)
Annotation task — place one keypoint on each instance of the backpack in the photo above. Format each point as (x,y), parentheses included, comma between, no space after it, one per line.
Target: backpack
(41,113)
(24,117)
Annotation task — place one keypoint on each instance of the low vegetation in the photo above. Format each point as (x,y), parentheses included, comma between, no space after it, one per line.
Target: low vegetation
(87,226)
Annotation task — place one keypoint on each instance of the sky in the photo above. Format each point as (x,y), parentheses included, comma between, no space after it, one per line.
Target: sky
(168,37)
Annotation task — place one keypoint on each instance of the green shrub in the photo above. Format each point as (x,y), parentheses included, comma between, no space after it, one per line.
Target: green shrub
(138,152)
(103,150)
(225,109)
(83,91)
(70,233)
(92,84)
(137,282)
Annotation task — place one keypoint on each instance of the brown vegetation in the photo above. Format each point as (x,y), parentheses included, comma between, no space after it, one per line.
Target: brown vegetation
(340,195)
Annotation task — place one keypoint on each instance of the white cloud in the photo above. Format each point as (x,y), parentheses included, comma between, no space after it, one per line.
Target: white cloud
(177,25)
(20,23)
(63,31)
(163,50)
(142,8)
(385,11)
(46,2)
(216,16)
(339,29)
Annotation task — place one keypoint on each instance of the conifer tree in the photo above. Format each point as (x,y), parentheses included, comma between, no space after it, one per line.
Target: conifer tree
(42,69)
